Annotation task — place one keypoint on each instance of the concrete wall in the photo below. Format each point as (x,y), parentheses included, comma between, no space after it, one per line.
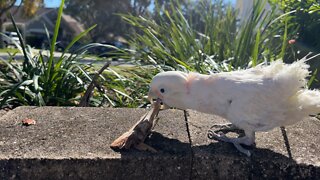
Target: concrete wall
(73,143)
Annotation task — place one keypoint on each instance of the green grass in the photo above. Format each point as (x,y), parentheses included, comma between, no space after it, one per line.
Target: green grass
(127,86)
(9,50)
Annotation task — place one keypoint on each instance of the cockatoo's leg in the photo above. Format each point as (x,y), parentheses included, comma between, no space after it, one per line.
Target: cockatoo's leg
(248,140)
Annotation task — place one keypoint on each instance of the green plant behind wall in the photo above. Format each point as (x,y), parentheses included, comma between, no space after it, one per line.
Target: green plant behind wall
(207,37)
(43,79)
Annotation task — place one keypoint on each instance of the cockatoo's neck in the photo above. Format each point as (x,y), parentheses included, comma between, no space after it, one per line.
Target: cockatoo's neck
(202,95)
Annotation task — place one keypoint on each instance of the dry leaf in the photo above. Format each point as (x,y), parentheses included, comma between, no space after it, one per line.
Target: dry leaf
(28,122)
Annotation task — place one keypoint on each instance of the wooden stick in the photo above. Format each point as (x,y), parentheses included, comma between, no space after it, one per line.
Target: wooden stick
(137,134)
(85,100)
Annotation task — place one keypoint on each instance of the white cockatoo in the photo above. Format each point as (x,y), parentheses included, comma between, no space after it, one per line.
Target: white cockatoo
(255,99)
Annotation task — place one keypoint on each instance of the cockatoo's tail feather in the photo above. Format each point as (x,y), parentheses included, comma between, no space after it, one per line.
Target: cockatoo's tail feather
(309,101)
(291,77)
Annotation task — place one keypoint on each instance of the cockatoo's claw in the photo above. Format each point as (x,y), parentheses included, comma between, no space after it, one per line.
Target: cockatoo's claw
(218,136)
(213,135)
(222,126)
(223,138)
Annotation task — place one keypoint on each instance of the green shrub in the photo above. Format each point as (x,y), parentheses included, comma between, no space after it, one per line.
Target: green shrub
(41,79)
(127,86)
(207,38)
(305,18)
(204,37)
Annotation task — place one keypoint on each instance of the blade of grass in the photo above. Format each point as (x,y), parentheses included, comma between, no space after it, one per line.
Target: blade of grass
(54,39)
(13,89)
(23,46)
(255,52)
(284,41)
(312,78)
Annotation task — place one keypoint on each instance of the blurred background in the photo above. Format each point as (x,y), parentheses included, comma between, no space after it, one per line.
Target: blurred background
(144,37)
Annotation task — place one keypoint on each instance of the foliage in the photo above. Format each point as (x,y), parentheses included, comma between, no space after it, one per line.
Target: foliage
(127,86)
(209,39)
(204,37)
(305,18)
(9,50)
(42,79)
(29,6)
(104,14)
(183,37)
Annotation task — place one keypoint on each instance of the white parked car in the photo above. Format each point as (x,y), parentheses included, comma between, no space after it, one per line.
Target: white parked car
(10,38)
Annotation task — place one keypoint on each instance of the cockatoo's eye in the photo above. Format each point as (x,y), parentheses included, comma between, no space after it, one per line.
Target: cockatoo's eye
(162,90)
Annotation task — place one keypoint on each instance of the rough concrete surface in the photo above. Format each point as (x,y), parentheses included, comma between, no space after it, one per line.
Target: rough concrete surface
(73,143)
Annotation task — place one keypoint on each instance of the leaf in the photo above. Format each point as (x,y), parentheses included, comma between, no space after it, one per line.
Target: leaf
(75,39)
(54,40)
(28,122)
(312,78)
(255,52)
(284,41)
(35,82)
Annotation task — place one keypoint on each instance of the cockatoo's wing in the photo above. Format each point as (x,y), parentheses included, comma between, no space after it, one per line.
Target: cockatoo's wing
(262,98)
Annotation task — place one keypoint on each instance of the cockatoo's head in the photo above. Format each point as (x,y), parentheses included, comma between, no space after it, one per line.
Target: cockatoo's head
(170,87)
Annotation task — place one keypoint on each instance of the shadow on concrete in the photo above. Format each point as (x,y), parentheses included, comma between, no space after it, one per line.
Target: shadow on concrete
(171,146)
(162,144)
(223,158)
(216,160)
(220,159)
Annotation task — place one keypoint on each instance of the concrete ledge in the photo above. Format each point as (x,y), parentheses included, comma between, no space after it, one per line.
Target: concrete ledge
(73,143)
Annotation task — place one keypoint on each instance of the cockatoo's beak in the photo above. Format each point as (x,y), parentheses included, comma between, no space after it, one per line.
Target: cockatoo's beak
(164,106)
(151,98)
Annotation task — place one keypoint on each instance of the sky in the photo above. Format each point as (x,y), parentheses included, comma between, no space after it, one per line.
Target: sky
(48,3)
(56,3)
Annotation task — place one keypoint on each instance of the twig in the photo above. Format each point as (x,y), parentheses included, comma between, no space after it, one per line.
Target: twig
(86,98)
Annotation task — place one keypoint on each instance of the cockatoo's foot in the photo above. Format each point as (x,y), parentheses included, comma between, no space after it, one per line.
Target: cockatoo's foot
(235,141)
(228,127)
